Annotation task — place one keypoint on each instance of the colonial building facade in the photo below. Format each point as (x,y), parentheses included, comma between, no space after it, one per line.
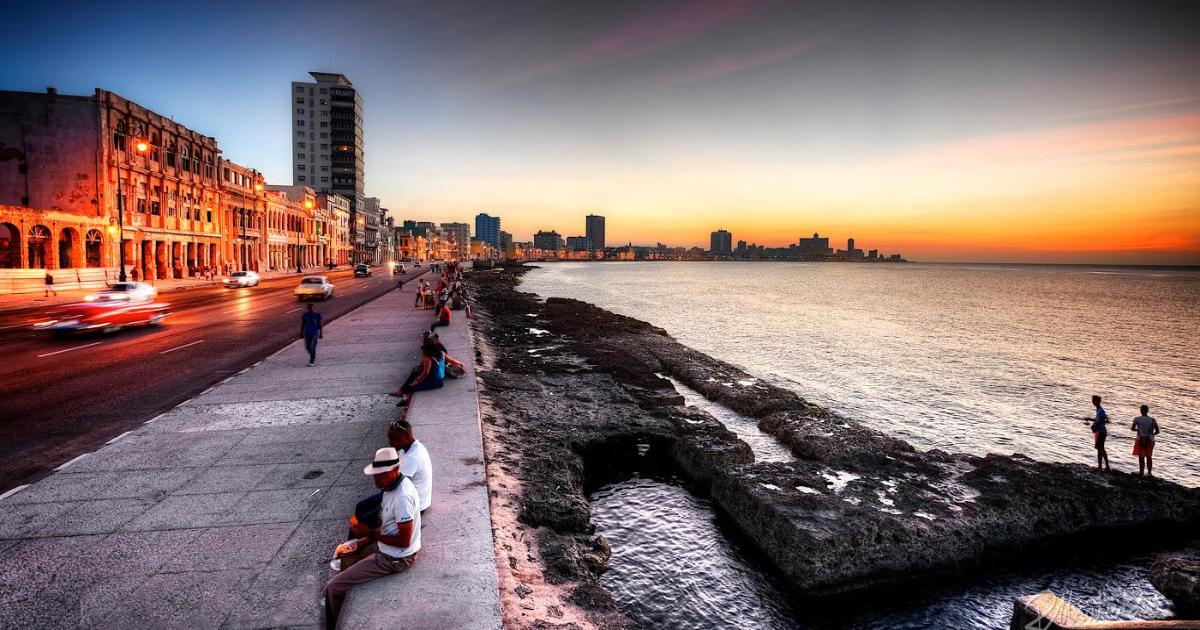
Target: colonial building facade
(94,181)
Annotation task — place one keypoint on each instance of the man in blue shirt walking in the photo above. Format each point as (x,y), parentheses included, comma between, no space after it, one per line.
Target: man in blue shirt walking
(311,329)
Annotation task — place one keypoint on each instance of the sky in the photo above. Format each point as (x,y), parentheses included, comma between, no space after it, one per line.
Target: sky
(945,131)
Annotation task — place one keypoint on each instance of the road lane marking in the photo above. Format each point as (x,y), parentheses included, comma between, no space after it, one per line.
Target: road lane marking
(118,438)
(13,491)
(155,418)
(294,310)
(86,345)
(182,347)
(62,466)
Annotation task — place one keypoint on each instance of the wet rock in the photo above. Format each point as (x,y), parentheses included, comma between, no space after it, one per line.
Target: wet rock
(1176,574)
(858,509)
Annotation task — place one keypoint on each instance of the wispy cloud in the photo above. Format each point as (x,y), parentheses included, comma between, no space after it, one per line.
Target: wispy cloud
(662,27)
(727,65)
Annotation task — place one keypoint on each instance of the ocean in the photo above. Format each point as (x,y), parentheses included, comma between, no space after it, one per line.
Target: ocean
(971,358)
(964,358)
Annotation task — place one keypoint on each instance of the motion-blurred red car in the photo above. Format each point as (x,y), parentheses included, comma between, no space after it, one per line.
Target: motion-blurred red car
(102,316)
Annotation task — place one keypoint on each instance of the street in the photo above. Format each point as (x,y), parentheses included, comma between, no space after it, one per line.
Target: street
(61,397)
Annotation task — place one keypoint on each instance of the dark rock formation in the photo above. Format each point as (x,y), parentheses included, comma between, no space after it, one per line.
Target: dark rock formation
(857,509)
(1176,574)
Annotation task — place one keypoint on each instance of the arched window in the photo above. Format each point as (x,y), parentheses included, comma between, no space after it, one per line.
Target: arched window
(39,247)
(94,247)
(208,166)
(171,154)
(10,246)
(154,146)
(67,239)
(119,136)
(184,158)
(196,161)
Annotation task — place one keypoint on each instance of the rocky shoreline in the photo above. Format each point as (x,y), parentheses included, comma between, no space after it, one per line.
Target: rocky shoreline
(573,390)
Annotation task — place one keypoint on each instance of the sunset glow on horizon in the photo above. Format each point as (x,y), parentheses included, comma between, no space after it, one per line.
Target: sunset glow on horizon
(941,131)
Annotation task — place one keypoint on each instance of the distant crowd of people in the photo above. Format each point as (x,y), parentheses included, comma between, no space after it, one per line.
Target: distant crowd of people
(1145,427)
(385,530)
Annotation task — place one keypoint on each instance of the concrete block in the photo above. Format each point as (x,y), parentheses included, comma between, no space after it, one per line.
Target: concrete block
(186,511)
(273,506)
(226,548)
(26,520)
(265,477)
(96,517)
(193,600)
(69,486)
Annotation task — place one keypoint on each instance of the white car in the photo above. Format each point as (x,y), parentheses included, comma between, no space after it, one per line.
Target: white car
(242,279)
(314,287)
(125,292)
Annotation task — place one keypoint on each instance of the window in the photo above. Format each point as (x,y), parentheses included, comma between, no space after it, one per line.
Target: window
(196,162)
(227,175)
(324,91)
(171,154)
(324,146)
(324,168)
(299,123)
(324,102)
(324,124)
(299,89)
(300,112)
(300,156)
(301,145)
(300,178)
(155,207)
(324,179)
(154,147)
(208,166)
(302,167)
(324,134)
(183,158)
(119,136)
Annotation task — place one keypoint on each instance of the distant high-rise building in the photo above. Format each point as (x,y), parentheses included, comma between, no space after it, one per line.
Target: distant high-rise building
(459,236)
(594,230)
(721,243)
(548,240)
(850,247)
(487,229)
(504,240)
(579,244)
(327,141)
(815,246)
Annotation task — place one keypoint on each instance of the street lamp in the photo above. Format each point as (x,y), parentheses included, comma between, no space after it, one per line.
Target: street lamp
(141,147)
(308,204)
(257,189)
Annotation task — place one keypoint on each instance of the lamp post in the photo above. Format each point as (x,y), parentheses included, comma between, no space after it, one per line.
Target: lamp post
(257,189)
(140,147)
(308,204)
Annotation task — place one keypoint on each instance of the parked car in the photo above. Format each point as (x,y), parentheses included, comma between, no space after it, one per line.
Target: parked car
(239,279)
(125,292)
(362,271)
(103,316)
(314,287)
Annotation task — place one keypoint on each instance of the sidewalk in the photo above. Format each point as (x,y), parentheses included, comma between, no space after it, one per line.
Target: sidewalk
(14,301)
(223,512)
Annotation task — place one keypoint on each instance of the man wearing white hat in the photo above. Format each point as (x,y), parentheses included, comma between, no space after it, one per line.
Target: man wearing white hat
(398,537)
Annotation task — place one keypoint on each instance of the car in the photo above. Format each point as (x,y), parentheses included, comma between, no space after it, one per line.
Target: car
(125,292)
(362,271)
(314,287)
(103,316)
(239,279)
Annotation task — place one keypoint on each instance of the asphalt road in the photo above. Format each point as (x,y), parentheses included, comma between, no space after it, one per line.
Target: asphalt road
(61,397)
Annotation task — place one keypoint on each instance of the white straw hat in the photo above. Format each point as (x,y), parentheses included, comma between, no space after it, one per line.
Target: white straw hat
(386,459)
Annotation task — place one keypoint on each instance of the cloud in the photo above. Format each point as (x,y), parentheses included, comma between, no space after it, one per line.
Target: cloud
(662,27)
(729,66)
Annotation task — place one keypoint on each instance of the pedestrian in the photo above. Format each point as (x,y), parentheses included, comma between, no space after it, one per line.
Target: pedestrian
(1143,445)
(50,285)
(311,329)
(1100,434)
(398,538)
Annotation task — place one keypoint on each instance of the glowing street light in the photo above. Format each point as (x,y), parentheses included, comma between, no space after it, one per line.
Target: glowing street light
(141,147)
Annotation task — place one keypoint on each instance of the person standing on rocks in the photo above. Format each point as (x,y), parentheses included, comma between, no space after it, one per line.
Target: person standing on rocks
(1143,446)
(1100,434)
(311,329)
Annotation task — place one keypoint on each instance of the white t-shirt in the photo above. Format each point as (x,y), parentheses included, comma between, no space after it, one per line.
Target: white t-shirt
(1145,427)
(400,506)
(418,467)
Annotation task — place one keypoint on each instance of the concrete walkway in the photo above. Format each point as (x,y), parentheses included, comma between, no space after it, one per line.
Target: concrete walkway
(223,513)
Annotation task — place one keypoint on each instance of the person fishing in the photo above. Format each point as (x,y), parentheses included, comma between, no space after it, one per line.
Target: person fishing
(1100,434)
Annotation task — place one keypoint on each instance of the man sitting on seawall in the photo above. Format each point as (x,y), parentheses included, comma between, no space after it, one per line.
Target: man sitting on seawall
(416,466)
(398,538)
